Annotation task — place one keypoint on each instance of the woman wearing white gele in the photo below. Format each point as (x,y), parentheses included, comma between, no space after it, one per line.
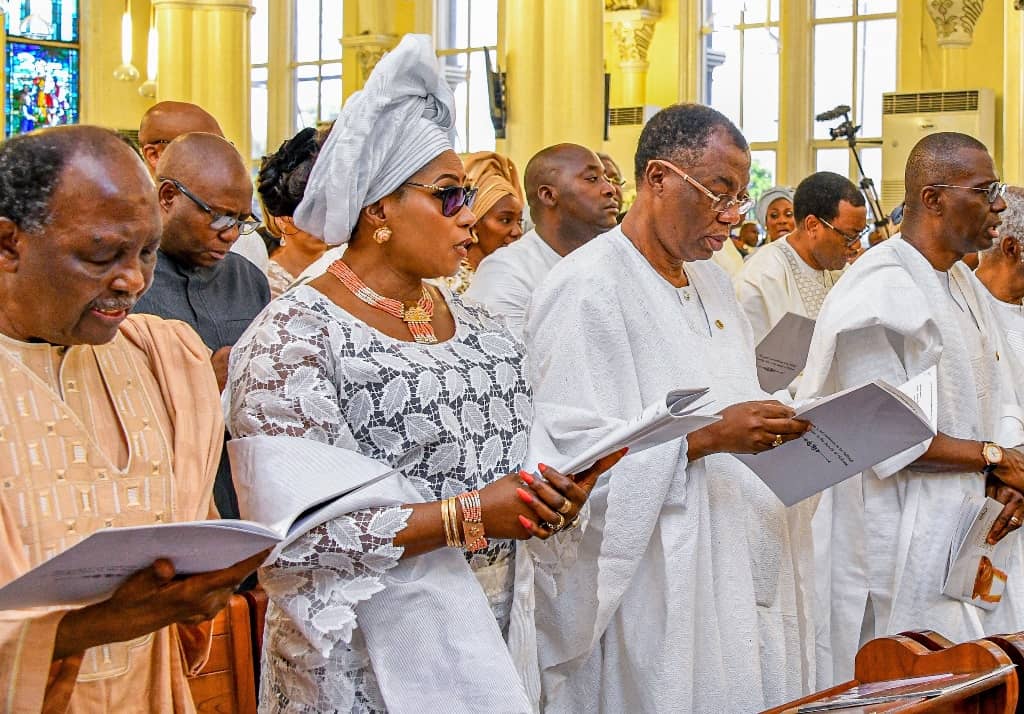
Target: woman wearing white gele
(378,610)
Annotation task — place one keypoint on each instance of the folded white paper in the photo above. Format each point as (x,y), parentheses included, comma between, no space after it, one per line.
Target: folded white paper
(782,354)
(852,431)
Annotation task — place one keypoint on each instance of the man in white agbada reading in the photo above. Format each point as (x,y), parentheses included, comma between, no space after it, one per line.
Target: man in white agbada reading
(795,273)
(688,592)
(882,538)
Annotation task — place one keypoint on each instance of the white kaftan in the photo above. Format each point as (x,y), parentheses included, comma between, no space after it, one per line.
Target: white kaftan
(688,592)
(776,280)
(506,279)
(452,417)
(882,537)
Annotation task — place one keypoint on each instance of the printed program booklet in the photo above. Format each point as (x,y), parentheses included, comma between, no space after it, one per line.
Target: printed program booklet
(901,690)
(853,430)
(975,569)
(92,569)
(681,411)
(782,354)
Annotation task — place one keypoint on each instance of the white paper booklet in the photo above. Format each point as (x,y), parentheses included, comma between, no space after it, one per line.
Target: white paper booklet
(853,430)
(975,569)
(681,411)
(91,570)
(782,354)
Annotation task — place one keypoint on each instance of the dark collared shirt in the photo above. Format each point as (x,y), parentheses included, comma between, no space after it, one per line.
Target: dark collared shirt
(218,302)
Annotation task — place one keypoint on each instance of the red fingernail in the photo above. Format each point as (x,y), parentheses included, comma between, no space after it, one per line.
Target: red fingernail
(527,523)
(625,450)
(526,477)
(524,496)
(543,467)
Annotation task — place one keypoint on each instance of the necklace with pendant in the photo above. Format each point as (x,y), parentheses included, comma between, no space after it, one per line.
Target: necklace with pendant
(417,318)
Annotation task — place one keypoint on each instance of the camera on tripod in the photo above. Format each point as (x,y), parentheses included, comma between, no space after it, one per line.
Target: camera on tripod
(848,130)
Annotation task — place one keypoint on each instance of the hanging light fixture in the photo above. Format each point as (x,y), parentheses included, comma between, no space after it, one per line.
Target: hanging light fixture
(127,71)
(148,88)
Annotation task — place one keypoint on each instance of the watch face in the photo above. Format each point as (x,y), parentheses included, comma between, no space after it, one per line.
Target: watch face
(993,454)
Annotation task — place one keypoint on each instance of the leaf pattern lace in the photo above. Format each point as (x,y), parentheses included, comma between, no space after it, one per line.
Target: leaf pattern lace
(453,417)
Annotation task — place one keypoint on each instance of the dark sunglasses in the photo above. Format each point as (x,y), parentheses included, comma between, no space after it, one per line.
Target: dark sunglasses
(453,198)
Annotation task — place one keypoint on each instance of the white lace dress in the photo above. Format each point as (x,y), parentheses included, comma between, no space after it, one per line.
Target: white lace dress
(452,416)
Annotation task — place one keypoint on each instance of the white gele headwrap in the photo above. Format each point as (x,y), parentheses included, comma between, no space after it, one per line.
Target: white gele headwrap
(768,198)
(403,118)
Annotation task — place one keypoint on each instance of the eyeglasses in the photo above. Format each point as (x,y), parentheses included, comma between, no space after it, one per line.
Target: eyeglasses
(453,198)
(849,238)
(993,191)
(720,202)
(219,222)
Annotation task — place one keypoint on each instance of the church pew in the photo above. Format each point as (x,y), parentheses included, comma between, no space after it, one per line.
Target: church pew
(257,599)
(227,685)
(929,638)
(1013,646)
(900,656)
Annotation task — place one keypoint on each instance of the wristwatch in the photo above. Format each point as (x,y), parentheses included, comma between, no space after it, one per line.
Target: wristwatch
(993,455)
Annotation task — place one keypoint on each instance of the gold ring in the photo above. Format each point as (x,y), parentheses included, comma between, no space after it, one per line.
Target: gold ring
(1014,521)
(565,507)
(778,441)
(561,522)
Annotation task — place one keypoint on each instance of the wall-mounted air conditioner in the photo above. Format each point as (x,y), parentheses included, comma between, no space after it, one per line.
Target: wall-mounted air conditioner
(909,116)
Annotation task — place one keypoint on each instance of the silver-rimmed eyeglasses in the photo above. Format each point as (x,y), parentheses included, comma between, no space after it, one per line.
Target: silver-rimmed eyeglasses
(993,192)
(219,222)
(720,202)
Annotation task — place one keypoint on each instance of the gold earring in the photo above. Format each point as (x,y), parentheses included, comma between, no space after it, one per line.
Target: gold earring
(382,235)
(473,236)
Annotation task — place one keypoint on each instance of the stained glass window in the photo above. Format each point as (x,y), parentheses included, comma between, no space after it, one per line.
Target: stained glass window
(53,20)
(42,87)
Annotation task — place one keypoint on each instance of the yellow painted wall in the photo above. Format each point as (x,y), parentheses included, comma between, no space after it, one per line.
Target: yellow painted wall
(104,100)
(924,66)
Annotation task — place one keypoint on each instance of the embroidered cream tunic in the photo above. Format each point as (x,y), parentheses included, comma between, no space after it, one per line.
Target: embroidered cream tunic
(89,440)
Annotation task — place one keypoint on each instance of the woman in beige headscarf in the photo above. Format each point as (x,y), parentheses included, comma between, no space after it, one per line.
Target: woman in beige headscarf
(499,208)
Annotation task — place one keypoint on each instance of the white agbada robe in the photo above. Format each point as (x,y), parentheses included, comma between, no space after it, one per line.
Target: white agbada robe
(1011,321)
(776,280)
(691,589)
(505,280)
(882,538)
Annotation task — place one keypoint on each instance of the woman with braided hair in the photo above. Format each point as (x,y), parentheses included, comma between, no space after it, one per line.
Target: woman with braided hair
(281,184)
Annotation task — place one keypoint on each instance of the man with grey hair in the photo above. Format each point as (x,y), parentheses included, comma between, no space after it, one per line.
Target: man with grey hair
(1001,270)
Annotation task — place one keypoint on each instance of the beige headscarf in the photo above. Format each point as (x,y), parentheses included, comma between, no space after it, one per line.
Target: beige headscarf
(495,176)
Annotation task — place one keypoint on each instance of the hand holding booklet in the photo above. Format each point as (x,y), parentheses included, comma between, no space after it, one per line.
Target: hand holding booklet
(91,570)
(680,412)
(853,430)
(975,569)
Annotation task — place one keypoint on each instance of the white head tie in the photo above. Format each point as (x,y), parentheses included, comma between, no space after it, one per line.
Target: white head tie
(403,118)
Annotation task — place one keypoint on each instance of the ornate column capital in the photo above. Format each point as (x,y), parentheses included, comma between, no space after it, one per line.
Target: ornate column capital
(954,20)
(369,49)
(632,30)
(653,6)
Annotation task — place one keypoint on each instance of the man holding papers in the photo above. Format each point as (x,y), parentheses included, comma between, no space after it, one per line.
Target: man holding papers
(89,406)
(795,273)
(687,590)
(882,538)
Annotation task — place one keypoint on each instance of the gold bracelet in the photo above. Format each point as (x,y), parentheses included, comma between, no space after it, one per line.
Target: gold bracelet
(449,518)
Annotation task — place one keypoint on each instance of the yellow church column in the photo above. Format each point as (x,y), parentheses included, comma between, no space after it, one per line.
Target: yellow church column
(204,59)
(795,158)
(369,32)
(633,31)
(174,53)
(1013,96)
(525,66)
(574,68)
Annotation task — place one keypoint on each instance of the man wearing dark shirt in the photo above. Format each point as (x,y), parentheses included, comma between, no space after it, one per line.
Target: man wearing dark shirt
(205,196)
